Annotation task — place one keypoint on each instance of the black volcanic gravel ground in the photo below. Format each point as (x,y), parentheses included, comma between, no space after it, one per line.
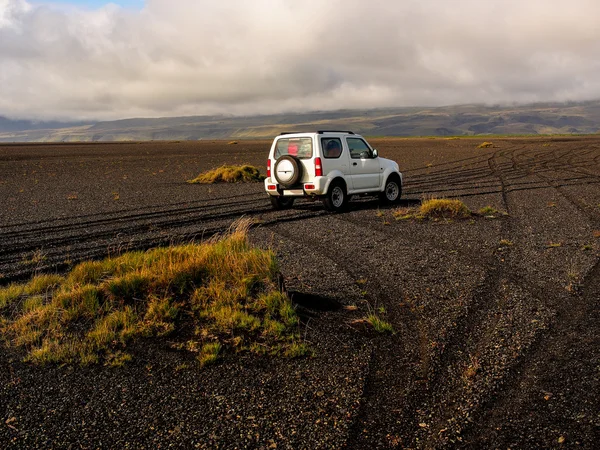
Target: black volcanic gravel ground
(496,345)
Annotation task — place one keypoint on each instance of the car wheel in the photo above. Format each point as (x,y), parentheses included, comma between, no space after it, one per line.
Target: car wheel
(336,198)
(392,190)
(288,170)
(280,202)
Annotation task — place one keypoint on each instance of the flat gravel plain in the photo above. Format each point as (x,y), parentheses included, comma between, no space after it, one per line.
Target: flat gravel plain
(496,320)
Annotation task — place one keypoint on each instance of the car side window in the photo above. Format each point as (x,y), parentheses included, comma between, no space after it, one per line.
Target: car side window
(332,147)
(358,148)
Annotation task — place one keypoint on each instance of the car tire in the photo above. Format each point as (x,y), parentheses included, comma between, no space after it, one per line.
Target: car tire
(336,198)
(392,190)
(290,164)
(280,202)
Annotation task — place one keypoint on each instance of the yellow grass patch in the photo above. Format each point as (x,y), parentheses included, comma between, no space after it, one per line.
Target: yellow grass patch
(435,208)
(229,174)
(223,295)
(443,207)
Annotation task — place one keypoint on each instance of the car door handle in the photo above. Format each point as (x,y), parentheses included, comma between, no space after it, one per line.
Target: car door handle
(355,164)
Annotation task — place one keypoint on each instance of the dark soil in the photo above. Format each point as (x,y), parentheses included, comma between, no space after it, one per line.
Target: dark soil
(496,345)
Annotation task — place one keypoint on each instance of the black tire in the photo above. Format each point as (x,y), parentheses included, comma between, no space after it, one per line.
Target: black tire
(336,199)
(294,165)
(392,190)
(280,202)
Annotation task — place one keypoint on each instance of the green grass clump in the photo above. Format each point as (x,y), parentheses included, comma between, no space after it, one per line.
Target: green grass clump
(224,293)
(209,353)
(435,208)
(443,208)
(379,325)
(10,294)
(488,211)
(229,174)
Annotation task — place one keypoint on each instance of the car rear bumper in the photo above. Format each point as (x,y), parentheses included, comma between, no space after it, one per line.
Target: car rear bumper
(315,187)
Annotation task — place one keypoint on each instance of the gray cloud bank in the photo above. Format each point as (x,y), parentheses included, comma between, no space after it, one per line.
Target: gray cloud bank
(191,57)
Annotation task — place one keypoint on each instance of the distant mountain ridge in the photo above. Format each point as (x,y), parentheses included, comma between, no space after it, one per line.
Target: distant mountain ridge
(459,120)
(8,125)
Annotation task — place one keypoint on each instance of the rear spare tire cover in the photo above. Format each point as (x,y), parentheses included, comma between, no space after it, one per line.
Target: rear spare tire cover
(288,170)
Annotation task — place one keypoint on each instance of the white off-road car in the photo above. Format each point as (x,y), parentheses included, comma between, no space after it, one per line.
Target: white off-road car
(328,165)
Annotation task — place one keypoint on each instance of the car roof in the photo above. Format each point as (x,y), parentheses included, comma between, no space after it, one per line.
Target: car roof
(312,133)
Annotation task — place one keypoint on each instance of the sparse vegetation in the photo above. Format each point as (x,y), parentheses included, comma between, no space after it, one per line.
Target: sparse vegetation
(573,278)
(554,245)
(485,145)
(35,258)
(223,293)
(379,325)
(229,174)
(505,243)
(472,369)
(209,353)
(435,208)
(488,211)
(443,207)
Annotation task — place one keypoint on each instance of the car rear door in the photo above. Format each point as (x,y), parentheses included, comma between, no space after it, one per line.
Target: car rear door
(365,169)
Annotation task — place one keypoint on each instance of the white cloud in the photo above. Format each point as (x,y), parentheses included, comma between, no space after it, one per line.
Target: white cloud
(244,57)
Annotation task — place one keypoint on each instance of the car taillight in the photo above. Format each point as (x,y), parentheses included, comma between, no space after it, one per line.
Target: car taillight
(268,168)
(318,168)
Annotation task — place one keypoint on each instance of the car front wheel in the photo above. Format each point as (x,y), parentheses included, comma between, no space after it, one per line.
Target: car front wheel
(392,190)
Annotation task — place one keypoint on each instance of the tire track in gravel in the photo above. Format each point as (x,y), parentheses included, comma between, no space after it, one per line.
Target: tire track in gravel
(391,372)
(25,228)
(591,213)
(444,393)
(559,343)
(552,366)
(112,228)
(508,387)
(469,335)
(95,239)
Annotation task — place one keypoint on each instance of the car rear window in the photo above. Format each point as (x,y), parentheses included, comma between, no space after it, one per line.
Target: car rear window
(300,147)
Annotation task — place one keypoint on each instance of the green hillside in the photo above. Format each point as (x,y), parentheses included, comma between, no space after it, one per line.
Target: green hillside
(461,120)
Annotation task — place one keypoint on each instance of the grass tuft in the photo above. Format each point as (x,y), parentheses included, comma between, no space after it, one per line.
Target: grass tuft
(229,174)
(209,353)
(488,211)
(10,293)
(443,208)
(379,325)
(224,293)
(434,208)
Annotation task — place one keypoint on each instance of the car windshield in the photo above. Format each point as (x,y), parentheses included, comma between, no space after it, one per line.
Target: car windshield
(300,147)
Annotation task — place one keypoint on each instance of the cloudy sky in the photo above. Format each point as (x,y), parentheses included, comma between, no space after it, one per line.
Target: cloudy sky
(97,60)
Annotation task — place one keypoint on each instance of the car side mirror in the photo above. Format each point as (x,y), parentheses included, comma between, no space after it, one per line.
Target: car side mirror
(375,153)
